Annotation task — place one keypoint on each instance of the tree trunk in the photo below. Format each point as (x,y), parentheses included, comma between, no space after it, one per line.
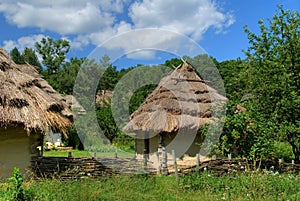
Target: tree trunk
(295,146)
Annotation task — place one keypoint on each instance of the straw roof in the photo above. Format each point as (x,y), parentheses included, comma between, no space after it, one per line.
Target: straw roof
(27,100)
(181,100)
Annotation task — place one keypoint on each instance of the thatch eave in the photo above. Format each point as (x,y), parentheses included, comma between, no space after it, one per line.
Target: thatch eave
(28,101)
(181,100)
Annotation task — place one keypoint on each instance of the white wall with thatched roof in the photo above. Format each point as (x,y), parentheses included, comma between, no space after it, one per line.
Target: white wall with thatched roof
(27,99)
(191,150)
(29,108)
(182,102)
(16,150)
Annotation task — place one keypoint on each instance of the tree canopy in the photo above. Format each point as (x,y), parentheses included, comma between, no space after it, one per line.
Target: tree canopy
(27,56)
(53,53)
(273,60)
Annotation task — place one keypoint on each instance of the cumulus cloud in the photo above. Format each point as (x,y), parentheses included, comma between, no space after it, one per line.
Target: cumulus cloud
(191,17)
(96,21)
(79,42)
(63,17)
(21,43)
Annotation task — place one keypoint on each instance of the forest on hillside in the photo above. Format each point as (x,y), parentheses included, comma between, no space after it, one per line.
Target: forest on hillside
(266,85)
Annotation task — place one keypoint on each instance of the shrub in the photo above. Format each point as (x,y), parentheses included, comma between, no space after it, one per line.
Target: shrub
(283,150)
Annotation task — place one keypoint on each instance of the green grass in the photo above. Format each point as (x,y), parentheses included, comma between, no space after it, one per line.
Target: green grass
(80,154)
(266,186)
(75,153)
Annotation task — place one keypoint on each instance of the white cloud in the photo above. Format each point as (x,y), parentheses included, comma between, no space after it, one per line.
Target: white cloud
(141,54)
(21,43)
(100,37)
(79,42)
(96,21)
(9,45)
(63,17)
(144,43)
(191,17)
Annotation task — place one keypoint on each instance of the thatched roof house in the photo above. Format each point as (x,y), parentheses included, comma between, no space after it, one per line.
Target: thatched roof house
(29,107)
(181,103)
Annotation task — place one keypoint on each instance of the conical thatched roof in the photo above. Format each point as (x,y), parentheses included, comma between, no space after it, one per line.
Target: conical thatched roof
(27,100)
(181,100)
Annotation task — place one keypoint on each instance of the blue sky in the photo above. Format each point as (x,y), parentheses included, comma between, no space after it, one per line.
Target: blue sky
(214,25)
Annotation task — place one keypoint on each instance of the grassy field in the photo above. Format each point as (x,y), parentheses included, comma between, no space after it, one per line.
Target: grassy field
(79,154)
(267,186)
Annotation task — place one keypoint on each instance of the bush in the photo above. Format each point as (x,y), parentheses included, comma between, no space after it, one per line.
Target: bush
(15,190)
(283,150)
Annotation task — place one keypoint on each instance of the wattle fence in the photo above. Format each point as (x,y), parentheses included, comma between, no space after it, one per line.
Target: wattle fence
(224,166)
(74,168)
(67,167)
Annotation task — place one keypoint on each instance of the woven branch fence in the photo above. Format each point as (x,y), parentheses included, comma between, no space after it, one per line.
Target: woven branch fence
(223,166)
(73,168)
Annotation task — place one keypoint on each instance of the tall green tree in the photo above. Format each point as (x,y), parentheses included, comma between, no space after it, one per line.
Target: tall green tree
(30,57)
(53,53)
(174,62)
(16,56)
(27,56)
(234,75)
(65,78)
(274,68)
(107,122)
(110,76)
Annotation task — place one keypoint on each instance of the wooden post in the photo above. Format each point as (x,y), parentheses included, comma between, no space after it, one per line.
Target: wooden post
(229,156)
(175,165)
(42,144)
(116,154)
(146,149)
(198,161)
(293,162)
(164,167)
(69,154)
(164,160)
(158,153)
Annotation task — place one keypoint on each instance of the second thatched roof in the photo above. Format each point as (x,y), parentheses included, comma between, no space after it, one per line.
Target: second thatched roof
(181,100)
(28,101)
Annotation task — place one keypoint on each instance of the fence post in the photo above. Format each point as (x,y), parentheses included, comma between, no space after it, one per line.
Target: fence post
(198,162)
(164,159)
(164,167)
(175,165)
(158,159)
(116,153)
(229,156)
(145,160)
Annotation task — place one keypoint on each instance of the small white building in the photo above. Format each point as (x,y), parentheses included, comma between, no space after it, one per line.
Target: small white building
(29,108)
